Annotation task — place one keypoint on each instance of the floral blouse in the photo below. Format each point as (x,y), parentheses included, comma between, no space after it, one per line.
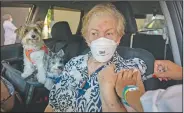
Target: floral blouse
(70,94)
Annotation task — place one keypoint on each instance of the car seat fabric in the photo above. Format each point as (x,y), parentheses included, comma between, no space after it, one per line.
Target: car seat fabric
(125,40)
(152,43)
(130,23)
(61,31)
(125,8)
(62,38)
(14,51)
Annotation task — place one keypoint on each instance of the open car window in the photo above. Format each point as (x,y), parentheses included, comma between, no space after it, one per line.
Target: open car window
(152,24)
(23,11)
(56,14)
(155,24)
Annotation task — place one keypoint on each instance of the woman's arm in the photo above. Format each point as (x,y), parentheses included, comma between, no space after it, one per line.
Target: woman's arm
(112,102)
(133,99)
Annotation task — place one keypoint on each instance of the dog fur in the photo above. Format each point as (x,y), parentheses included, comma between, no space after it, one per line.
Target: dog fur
(31,39)
(54,67)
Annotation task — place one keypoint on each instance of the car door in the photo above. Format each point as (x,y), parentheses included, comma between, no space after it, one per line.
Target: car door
(173,11)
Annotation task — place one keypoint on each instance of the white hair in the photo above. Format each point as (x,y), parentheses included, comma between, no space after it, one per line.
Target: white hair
(6,16)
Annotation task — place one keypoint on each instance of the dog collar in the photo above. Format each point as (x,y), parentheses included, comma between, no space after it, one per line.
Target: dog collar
(29,51)
(55,79)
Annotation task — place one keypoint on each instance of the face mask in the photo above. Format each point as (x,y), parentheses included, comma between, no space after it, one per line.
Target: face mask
(103,49)
(11,19)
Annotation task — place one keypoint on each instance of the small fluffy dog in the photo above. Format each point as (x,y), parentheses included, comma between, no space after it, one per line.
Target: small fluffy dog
(37,56)
(54,68)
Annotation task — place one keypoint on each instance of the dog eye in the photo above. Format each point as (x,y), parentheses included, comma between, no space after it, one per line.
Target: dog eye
(52,62)
(35,30)
(25,31)
(60,61)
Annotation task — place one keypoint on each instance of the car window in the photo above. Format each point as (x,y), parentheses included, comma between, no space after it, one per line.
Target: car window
(155,24)
(56,14)
(15,12)
(151,24)
(140,23)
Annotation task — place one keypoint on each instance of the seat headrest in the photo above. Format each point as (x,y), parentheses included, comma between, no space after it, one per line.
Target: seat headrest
(61,31)
(125,8)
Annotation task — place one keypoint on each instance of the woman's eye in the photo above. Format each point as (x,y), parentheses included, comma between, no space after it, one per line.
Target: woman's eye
(94,34)
(109,33)
(35,30)
(60,61)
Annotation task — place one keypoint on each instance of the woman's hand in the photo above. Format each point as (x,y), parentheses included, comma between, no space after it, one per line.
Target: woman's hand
(165,69)
(129,77)
(125,77)
(107,77)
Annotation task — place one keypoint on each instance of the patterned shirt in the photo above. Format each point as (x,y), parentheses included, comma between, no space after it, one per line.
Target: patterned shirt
(68,96)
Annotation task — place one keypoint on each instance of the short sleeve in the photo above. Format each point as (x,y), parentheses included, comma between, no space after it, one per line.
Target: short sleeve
(141,65)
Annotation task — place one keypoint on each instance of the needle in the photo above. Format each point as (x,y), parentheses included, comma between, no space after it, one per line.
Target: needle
(160,69)
(147,77)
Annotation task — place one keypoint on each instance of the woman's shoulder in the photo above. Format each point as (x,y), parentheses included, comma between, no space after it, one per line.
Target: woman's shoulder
(130,63)
(77,58)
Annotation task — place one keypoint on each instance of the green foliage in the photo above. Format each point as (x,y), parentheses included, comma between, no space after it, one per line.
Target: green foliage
(49,17)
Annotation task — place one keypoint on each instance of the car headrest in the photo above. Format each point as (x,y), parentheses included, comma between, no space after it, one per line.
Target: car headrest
(61,31)
(125,8)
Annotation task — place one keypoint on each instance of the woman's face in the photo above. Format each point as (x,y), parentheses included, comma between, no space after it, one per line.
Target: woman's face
(102,26)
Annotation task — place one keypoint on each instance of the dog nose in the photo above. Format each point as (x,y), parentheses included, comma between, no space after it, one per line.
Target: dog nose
(60,67)
(33,36)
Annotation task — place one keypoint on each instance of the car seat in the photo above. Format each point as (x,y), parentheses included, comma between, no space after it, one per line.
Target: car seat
(11,51)
(62,38)
(130,24)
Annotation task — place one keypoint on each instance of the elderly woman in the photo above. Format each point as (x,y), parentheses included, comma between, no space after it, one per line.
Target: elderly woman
(80,89)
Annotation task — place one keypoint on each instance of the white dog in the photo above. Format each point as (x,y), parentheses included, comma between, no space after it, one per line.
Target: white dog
(36,55)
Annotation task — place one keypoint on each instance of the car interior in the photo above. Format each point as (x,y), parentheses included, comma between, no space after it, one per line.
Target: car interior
(148,47)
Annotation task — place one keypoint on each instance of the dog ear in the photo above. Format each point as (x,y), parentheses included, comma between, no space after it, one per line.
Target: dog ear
(40,24)
(60,53)
(50,53)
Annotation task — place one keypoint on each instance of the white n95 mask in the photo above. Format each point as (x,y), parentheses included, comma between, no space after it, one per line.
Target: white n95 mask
(103,49)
